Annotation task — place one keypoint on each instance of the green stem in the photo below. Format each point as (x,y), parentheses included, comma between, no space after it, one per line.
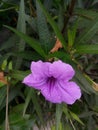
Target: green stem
(6,119)
(59,109)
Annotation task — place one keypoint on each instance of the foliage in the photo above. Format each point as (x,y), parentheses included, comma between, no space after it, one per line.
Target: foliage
(33,29)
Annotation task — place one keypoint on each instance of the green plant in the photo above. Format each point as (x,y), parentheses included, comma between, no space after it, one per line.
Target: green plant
(39,25)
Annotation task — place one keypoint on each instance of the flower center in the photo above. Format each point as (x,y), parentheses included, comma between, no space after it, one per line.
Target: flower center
(51,81)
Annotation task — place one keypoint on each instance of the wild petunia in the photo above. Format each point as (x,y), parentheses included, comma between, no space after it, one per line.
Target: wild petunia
(53,80)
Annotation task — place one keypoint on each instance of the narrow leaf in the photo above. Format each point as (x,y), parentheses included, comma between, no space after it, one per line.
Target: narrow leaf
(76,117)
(4,65)
(8,44)
(21,26)
(72,34)
(19,75)
(54,25)
(43,30)
(87,49)
(32,42)
(37,107)
(31,21)
(66,112)
(89,32)
(84,84)
(2,95)
(27,100)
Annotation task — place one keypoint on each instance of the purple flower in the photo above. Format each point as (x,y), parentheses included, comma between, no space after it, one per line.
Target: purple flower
(53,80)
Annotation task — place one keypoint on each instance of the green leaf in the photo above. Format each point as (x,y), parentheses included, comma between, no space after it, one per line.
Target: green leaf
(58,115)
(87,49)
(82,82)
(74,116)
(16,121)
(6,56)
(10,66)
(42,26)
(60,17)
(89,31)
(8,44)
(54,25)
(88,14)
(32,42)
(15,118)
(2,95)
(31,21)
(72,34)
(18,108)
(59,54)
(66,111)
(4,64)
(70,38)
(21,26)
(29,55)
(19,75)
(14,92)
(2,84)
(27,100)
(60,127)
(37,106)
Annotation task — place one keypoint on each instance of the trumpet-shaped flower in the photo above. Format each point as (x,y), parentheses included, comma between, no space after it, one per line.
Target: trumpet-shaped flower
(53,80)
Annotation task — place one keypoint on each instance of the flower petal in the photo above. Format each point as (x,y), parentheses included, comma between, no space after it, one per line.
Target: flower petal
(40,68)
(34,81)
(52,80)
(51,93)
(70,92)
(61,70)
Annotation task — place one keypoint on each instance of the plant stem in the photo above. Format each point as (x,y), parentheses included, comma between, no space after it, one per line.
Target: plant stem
(7,120)
(72,125)
(69,14)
